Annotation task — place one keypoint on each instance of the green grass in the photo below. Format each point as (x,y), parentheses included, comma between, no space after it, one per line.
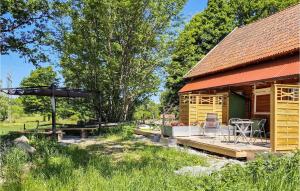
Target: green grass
(29,121)
(140,166)
(119,162)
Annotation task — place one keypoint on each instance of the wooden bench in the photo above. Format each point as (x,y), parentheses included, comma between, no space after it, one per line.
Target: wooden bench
(83,131)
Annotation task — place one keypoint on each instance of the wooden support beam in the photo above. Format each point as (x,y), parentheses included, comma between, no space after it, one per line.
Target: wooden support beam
(100,113)
(53,108)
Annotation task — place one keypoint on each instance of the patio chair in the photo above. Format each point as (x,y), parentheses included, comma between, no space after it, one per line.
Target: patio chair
(211,125)
(258,127)
(231,128)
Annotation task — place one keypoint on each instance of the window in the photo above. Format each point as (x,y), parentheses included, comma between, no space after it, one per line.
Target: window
(262,100)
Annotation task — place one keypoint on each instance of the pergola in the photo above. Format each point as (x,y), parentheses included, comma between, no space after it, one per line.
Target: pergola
(53,91)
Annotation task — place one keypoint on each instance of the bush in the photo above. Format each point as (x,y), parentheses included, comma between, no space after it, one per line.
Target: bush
(127,132)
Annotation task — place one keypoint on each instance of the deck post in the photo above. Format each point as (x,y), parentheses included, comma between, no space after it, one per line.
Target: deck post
(272,118)
(189,106)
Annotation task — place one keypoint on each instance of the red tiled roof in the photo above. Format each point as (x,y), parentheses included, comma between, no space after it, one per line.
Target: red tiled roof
(275,35)
(270,70)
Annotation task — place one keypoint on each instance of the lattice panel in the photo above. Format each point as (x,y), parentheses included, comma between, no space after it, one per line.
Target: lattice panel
(287,94)
(199,105)
(184,99)
(285,114)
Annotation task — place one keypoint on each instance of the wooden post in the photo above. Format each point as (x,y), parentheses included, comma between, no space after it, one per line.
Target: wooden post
(214,104)
(164,119)
(298,117)
(272,118)
(53,107)
(197,108)
(189,107)
(37,124)
(99,115)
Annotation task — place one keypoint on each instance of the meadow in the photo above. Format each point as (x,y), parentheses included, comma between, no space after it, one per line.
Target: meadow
(120,162)
(30,121)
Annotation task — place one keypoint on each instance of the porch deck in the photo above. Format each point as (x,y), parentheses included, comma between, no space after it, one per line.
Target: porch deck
(240,150)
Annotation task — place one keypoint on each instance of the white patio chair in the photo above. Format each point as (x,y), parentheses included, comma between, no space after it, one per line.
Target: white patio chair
(211,125)
(230,128)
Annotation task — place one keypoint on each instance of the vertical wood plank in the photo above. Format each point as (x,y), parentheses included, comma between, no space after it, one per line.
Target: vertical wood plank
(298,117)
(189,108)
(272,118)
(197,108)
(275,117)
(285,113)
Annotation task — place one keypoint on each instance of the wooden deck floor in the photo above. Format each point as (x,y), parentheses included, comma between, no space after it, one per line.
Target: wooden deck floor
(239,150)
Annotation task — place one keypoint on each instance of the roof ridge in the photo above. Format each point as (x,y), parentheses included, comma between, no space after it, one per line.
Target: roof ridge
(269,16)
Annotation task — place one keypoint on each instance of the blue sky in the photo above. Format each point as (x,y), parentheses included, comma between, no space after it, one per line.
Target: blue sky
(19,68)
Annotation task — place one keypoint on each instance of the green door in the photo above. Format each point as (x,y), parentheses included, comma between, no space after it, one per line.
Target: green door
(237,106)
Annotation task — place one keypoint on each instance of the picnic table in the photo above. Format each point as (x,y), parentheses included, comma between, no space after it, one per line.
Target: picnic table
(241,129)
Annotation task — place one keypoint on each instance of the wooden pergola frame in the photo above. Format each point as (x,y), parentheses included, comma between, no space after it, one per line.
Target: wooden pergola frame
(53,91)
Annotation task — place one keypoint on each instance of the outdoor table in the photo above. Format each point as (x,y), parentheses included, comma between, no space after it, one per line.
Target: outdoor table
(242,127)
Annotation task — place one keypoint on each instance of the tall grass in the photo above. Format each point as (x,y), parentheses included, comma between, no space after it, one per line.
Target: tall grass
(270,173)
(140,167)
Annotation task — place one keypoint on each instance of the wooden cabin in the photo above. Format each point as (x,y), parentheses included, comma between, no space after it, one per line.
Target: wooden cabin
(252,73)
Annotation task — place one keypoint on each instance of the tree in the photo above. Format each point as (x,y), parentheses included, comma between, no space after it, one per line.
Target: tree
(25,27)
(42,76)
(207,29)
(117,48)
(148,110)
(17,109)
(4,105)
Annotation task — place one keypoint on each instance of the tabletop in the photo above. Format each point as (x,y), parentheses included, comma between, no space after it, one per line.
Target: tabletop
(242,122)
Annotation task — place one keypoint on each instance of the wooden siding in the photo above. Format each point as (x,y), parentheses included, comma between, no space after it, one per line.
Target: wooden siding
(194,107)
(285,113)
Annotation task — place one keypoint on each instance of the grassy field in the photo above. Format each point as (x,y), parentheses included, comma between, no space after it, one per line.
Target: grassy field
(117,161)
(29,121)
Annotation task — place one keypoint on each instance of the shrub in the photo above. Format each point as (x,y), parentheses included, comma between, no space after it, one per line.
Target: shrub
(127,132)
